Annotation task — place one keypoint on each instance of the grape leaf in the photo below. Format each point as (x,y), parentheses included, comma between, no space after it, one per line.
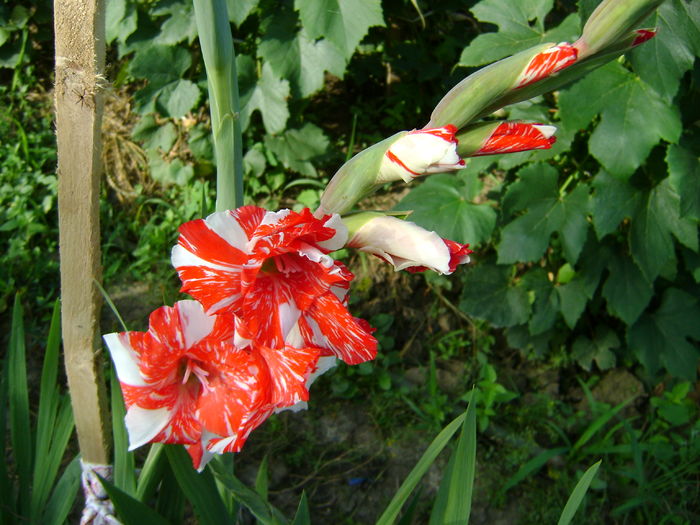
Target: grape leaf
(572,300)
(297,148)
(443,204)
(295,56)
(489,294)
(626,290)
(586,351)
(343,22)
(663,60)
(179,26)
(612,201)
(684,172)
(238,10)
(267,94)
(120,20)
(515,33)
(662,337)
(526,238)
(546,306)
(657,220)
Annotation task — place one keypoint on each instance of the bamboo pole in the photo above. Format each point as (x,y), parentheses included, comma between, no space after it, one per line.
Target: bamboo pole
(79,27)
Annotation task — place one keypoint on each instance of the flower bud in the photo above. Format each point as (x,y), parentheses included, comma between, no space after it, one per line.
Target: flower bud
(491,138)
(403,156)
(403,244)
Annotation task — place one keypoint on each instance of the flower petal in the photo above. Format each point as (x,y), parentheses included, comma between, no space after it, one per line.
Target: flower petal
(547,63)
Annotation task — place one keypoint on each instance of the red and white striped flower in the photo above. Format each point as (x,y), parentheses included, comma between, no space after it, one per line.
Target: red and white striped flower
(512,137)
(547,63)
(405,245)
(421,152)
(272,270)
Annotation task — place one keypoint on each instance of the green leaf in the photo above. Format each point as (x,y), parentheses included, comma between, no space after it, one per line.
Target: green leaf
(20,433)
(458,481)
(572,300)
(443,204)
(199,488)
(63,495)
(154,136)
(612,201)
(489,294)
(120,20)
(662,337)
(238,10)
(302,516)
(130,510)
(684,172)
(177,98)
(261,480)
(658,218)
(634,117)
(297,149)
(168,173)
(663,60)
(586,351)
(181,25)
(515,32)
(160,64)
(532,466)
(626,290)
(546,306)
(526,238)
(268,94)
(577,495)
(124,468)
(343,22)
(295,56)
(392,511)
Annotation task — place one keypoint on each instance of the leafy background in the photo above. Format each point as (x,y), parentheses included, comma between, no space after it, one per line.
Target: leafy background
(586,267)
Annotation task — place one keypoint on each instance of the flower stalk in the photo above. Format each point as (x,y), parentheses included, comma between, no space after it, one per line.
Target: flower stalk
(220,62)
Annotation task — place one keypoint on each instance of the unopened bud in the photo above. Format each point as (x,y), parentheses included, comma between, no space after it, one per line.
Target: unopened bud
(492,138)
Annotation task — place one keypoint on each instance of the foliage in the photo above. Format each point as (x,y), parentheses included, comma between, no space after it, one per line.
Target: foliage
(596,240)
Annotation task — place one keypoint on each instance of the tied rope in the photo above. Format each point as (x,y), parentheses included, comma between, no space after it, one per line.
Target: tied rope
(98,509)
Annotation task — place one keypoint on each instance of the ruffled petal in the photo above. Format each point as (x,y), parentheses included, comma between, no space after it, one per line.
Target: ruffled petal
(547,63)
(289,370)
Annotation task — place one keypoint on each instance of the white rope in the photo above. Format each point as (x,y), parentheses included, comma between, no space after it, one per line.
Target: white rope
(98,509)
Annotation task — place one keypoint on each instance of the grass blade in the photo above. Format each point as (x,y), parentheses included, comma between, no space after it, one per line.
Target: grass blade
(577,495)
(20,432)
(302,516)
(130,510)
(7,502)
(533,466)
(261,480)
(460,482)
(594,427)
(63,496)
(199,488)
(394,507)
(151,472)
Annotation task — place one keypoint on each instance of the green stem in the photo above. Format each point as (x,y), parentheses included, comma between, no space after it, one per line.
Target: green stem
(220,63)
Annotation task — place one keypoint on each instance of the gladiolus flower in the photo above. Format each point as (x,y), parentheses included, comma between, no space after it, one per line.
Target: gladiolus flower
(405,245)
(272,270)
(547,63)
(420,152)
(513,137)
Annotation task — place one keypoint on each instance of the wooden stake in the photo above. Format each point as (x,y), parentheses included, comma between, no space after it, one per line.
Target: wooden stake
(79,27)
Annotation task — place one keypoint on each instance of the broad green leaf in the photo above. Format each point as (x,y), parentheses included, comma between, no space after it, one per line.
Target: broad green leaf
(662,338)
(626,290)
(526,237)
(238,10)
(267,94)
(199,488)
(295,56)
(443,203)
(586,8)
(168,173)
(120,20)
(572,300)
(634,117)
(663,60)
(489,294)
(180,26)
(154,136)
(577,495)
(515,30)
(177,98)
(684,172)
(545,309)
(401,496)
(651,240)
(612,201)
(585,350)
(297,149)
(160,64)
(343,22)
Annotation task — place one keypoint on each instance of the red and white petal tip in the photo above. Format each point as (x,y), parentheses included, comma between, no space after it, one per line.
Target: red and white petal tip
(512,137)
(547,63)
(421,152)
(643,35)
